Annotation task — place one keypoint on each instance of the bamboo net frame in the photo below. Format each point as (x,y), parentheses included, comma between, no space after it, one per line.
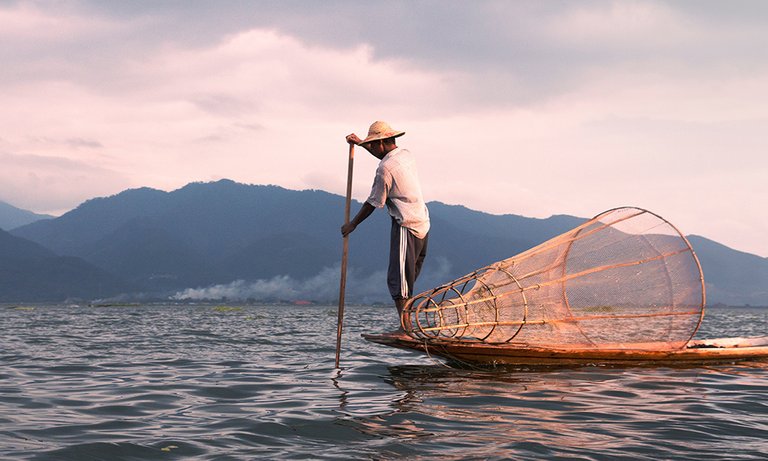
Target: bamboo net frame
(626,279)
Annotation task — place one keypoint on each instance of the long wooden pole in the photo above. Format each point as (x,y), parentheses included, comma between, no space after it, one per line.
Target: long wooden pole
(345,251)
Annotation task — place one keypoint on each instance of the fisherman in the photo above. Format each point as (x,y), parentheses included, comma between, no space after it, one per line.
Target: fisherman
(396,185)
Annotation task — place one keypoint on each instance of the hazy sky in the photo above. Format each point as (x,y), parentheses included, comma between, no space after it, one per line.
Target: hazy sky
(525,107)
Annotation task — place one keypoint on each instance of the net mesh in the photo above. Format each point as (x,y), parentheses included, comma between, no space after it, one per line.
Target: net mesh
(627,279)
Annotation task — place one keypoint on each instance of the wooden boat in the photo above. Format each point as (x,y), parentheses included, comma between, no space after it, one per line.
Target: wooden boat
(696,352)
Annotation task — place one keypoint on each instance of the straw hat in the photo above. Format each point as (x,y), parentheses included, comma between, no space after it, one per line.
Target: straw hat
(381,130)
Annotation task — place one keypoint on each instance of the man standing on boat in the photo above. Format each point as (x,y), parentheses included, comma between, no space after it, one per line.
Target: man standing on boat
(396,185)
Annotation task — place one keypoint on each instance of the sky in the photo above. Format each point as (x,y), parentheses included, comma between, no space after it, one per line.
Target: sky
(524,107)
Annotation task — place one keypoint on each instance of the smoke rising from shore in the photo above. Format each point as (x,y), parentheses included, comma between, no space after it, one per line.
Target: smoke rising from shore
(322,287)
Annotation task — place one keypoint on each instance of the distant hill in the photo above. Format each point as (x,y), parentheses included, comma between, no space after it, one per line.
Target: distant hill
(200,234)
(12,217)
(732,277)
(29,272)
(225,239)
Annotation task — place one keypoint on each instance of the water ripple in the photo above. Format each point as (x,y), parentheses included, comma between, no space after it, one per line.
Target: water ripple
(193,382)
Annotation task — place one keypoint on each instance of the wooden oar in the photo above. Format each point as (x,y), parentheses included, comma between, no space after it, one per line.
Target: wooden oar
(343,283)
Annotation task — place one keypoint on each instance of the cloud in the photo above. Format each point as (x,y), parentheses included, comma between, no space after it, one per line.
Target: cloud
(52,184)
(84,143)
(242,99)
(522,107)
(24,21)
(224,105)
(72,143)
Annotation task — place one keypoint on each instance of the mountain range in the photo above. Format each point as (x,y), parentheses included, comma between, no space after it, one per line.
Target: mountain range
(229,240)
(12,217)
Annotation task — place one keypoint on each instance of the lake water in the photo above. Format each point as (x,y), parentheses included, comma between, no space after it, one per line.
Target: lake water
(258,382)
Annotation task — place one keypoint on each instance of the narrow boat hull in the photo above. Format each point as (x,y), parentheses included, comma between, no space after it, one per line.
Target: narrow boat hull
(698,351)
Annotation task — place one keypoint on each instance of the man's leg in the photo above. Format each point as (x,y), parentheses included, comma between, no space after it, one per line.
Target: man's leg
(421,254)
(396,272)
(406,257)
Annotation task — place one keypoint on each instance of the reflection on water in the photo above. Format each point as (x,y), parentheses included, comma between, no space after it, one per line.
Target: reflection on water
(197,382)
(640,412)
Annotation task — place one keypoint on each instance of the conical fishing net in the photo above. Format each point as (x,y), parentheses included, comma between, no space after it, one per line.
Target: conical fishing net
(626,279)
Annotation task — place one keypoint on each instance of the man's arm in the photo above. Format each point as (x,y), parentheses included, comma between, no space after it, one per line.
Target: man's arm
(361,216)
(353,139)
